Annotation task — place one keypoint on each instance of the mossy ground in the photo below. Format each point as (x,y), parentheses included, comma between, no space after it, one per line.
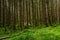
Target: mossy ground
(48,33)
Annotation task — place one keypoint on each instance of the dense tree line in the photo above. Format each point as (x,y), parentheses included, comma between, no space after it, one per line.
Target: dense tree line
(15,14)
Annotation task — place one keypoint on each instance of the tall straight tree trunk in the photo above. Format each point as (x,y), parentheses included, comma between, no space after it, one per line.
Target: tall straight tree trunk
(38,12)
(11,15)
(18,14)
(7,13)
(44,12)
(59,11)
(52,11)
(0,13)
(21,15)
(57,1)
(34,12)
(40,9)
(28,12)
(3,14)
(49,12)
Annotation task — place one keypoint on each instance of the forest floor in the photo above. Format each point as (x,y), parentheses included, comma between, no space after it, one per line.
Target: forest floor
(48,33)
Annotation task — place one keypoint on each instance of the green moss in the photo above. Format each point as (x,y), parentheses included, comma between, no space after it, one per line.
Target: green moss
(49,33)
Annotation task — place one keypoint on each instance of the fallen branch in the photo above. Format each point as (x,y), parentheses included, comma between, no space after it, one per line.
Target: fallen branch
(5,37)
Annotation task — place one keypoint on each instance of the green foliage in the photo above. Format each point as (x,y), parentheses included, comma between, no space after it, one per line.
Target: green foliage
(27,26)
(49,33)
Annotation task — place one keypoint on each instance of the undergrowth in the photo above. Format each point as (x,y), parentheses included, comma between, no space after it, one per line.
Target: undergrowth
(49,33)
